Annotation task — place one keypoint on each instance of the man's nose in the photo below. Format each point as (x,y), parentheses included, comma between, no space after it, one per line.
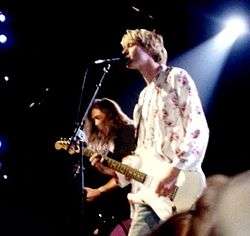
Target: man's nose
(125,52)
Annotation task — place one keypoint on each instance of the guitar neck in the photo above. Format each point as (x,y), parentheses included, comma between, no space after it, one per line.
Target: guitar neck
(119,167)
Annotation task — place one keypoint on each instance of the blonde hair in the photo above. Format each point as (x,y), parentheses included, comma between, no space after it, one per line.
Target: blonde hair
(150,41)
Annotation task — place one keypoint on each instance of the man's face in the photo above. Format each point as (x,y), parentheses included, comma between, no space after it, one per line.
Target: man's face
(136,56)
(99,118)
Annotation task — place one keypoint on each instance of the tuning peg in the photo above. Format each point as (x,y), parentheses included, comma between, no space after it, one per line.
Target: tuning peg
(58,145)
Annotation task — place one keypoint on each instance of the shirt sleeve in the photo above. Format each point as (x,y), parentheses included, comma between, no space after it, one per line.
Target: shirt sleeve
(189,131)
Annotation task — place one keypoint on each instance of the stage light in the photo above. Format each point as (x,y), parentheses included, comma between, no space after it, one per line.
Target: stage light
(235,27)
(3,145)
(3,38)
(2,17)
(6,78)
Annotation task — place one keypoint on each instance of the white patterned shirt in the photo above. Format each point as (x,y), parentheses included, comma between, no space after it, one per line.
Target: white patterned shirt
(170,117)
(169,120)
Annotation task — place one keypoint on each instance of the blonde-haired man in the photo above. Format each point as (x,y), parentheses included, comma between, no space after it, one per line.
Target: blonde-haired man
(172,132)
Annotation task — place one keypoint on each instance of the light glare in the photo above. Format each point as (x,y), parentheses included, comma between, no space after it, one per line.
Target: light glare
(236,26)
(3,38)
(2,17)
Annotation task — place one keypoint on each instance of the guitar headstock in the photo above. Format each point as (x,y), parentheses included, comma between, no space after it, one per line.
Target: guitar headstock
(65,144)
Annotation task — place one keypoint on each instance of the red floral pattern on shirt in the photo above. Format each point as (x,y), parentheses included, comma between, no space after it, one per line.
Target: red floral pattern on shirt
(173,119)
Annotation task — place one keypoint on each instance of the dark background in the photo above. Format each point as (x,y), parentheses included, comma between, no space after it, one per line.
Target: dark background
(51,43)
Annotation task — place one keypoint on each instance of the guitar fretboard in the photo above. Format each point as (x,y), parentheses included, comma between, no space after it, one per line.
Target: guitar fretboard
(120,167)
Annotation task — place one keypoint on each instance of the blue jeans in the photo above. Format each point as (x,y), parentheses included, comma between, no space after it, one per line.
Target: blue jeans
(144,221)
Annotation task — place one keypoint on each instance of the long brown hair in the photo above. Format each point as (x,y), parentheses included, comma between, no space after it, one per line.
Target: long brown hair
(115,116)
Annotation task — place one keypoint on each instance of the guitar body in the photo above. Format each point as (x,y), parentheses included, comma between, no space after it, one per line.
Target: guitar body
(145,176)
(190,186)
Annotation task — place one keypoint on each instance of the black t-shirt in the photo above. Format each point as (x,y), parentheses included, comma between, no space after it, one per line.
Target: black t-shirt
(113,203)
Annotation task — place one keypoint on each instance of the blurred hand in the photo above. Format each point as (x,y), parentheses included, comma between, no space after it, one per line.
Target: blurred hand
(167,185)
(92,194)
(96,161)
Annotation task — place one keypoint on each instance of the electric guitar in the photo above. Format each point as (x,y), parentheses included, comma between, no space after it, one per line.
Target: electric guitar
(189,185)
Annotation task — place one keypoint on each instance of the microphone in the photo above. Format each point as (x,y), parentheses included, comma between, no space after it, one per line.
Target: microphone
(100,61)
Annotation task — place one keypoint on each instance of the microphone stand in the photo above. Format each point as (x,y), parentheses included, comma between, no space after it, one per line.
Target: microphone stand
(79,135)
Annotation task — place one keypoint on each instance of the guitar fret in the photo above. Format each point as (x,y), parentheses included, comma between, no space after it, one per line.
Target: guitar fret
(120,167)
(125,169)
(135,174)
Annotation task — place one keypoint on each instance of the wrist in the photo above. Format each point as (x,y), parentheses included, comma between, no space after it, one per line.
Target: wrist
(175,172)
(101,189)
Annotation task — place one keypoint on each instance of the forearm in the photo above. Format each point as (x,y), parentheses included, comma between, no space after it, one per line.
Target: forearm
(106,170)
(111,184)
